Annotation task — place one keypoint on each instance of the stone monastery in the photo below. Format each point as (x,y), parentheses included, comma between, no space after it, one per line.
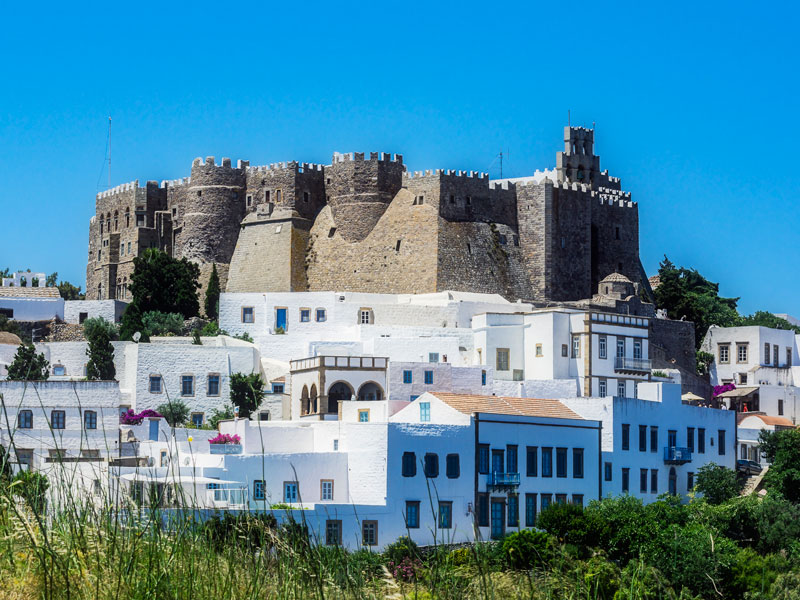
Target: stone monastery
(366,224)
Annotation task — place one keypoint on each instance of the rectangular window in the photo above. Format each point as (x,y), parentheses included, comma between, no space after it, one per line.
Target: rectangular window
(407,378)
(577,463)
(155,384)
(561,462)
(626,479)
(576,346)
(483,377)
(626,436)
(278,388)
(701,440)
(58,419)
(502,359)
(431,465)
(428,377)
(409,464)
(290,491)
(363,415)
(365,317)
(539,350)
(333,532)
(607,471)
(513,510)
(530,510)
(721,442)
(690,438)
(642,438)
(672,438)
(653,439)
(412,514)
(424,412)
(689,481)
(602,344)
(620,347)
(305,315)
(788,357)
(433,357)
(197,419)
(90,419)
(320,315)
(483,510)
(213,385)
(561,498)
(512,453)
(621,388)
(741,353)
(643,480)
(483,458)
(531,461)
(637,349)
(723,351)
(258,490)
(187,385)
(445,515)
(767,354)
(547,499)
(369,533)
(653,481)
(453,466)
(547,462)
(780,406)
(248,314)
(59,370)
(25,419)
(564,350)
(602,386)
(577,499)
(326,489)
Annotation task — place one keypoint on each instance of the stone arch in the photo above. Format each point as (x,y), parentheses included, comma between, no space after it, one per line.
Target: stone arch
(127,217)
(339,390)
(116,220)
(312,398)
(370,391)
(304,401)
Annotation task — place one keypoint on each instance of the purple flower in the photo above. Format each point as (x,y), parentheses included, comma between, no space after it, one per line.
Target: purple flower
(225,438)
(131,418)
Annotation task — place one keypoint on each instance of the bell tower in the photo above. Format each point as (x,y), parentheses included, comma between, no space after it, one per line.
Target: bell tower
(577,163)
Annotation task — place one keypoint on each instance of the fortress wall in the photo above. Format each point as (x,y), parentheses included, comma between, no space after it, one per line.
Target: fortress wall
(612,212)
(570,243)
(377,264)
(300,186)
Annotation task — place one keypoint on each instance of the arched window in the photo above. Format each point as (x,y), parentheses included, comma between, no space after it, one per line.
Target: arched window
(304,401)
(127,217)
(101,224)
(312,400)
(25,420)
(116,220)
(370,391)
(338,391)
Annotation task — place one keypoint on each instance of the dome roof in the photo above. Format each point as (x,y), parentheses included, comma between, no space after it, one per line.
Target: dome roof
(616,278)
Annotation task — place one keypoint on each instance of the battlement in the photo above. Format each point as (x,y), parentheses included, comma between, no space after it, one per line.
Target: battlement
(226,163)
(282,166)
(174,182)
(359,156)
(446,173)
(124,187)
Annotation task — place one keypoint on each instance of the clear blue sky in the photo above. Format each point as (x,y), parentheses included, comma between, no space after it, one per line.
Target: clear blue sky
(695,106)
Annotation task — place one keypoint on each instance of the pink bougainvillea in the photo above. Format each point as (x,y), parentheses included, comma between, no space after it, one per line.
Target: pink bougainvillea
(225,438)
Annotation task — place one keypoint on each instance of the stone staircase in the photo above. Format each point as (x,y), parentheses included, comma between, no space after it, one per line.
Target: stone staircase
(753,482)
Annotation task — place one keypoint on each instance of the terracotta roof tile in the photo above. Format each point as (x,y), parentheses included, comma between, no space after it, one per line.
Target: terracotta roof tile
(529,407)
(9,291)
(767,420)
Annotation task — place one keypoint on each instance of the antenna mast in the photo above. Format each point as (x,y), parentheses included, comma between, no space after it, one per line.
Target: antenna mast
(109,152)
(501,164)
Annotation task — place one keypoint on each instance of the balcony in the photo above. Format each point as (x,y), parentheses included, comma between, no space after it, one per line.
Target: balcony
(503,481)
(677,456)
(632,365)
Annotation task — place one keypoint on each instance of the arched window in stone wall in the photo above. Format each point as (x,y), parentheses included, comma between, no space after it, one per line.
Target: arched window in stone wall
(127,217)
(101,224)
(99,291)
(116,220)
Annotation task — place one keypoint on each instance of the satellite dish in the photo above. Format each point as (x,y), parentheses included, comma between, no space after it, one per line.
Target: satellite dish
(137,336)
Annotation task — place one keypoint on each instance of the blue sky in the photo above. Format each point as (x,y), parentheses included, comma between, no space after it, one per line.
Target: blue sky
(694,104)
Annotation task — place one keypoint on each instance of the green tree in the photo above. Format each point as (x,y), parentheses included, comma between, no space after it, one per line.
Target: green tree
(101,356)
(685,293)
(35,282)
(782,450)
(132,323)
(175,412)
(247,391)
(220,414)
(159,323)
(52,279)
(27,365)
(7,324)
(164,284)
(91,326)
(196,337)
(717,483)
(763,318)
(212,295)
(70,292)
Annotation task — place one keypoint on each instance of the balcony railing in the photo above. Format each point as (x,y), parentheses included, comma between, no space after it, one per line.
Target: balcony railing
(503,480)
(632,365)
(677,456)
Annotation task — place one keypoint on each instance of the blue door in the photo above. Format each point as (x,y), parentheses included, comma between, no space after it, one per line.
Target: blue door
(498,519)
(280,318)
(153,430)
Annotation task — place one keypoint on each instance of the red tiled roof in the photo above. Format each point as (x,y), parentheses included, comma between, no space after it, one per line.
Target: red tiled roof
(529,407)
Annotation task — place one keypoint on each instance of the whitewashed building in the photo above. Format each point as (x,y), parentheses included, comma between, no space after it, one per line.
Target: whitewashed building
(31,303)
(77,311)
(656,443)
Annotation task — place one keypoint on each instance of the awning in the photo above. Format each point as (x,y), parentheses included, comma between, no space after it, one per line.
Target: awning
(174,479)
(690,397)
(738,392)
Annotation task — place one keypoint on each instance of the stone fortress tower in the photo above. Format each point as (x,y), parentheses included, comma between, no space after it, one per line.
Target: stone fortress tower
(365,223)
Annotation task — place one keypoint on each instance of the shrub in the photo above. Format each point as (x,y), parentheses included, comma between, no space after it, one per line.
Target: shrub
(404,547)
(527,549)
(627,526)
(245,337)
(96,324)
(718,483)
(250,530)
(220,414)
(226,438)
(782,450)
(571,524)
(32,488)
(196,338)
(175,412)
(159,323)
(211,329)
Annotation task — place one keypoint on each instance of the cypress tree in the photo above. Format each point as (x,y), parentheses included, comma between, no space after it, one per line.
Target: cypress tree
(101,356)
(212,295)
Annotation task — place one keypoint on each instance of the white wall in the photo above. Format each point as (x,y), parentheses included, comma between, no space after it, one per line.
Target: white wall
(110,310)
(33,309)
